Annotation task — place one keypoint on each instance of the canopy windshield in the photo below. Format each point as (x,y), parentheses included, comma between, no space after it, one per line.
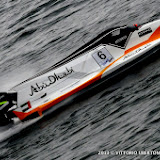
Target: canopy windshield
(117,37)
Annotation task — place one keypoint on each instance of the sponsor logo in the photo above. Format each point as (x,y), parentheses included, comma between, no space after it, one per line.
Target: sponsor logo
(140,49)
(136,51)
(52,79)
(144,32)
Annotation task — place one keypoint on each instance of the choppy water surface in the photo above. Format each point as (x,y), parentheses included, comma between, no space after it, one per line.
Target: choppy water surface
(34,35)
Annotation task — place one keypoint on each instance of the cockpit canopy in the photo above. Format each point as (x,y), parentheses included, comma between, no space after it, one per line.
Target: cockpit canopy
(117,37)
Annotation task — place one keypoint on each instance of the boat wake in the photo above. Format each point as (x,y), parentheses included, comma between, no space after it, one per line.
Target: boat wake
(8,131)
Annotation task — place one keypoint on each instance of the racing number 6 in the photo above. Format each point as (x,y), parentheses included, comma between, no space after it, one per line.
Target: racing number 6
(101,55)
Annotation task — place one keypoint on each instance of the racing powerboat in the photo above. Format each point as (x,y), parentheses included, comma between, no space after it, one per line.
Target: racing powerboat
(99,59)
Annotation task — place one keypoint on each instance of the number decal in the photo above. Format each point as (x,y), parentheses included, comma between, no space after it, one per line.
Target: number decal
(101,55)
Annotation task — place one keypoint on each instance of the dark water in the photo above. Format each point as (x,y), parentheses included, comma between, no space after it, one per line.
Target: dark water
(34,35)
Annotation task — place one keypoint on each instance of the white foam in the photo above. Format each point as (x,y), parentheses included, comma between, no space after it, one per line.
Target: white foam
(7,132)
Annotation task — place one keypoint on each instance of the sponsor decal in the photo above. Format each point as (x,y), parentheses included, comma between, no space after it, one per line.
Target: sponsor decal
(145,32)
(140,49)
(136,51)
(52,79)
